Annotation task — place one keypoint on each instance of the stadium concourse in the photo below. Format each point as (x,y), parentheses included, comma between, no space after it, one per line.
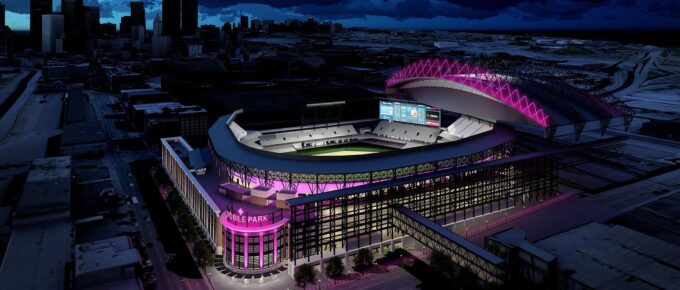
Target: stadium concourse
(272,198)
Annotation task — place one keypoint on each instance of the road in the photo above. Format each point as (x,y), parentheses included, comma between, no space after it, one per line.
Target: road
(28,124)
(124,183)
(636,68)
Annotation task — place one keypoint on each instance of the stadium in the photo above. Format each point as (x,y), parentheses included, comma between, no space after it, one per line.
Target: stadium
(272,199)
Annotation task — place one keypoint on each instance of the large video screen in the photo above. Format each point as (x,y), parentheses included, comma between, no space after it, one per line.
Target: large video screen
(410,113)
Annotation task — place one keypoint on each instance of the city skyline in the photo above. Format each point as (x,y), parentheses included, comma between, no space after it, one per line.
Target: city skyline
(408,14)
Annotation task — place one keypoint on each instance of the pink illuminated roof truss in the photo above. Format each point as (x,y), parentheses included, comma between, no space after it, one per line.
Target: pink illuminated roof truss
(475,77)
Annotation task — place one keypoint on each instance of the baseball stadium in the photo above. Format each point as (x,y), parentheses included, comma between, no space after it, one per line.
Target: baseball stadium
(440,149)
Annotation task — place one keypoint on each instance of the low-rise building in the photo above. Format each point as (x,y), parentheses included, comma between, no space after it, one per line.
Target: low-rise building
(39,252)
(170,119)
(83,140)
(105,261)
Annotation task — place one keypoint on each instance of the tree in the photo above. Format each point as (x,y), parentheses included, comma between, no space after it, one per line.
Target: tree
(467,279)
(442,263)
(363,259)
(203,253)
(304,275)
(334,268)
(174,200)
(191,234)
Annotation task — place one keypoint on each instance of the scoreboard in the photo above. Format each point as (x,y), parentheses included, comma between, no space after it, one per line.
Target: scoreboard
(413,113)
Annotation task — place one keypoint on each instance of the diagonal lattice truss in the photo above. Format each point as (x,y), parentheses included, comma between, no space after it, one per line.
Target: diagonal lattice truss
(475,77)
(486,266)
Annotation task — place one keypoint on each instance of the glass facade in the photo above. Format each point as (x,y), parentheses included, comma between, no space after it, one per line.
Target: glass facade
(254,252)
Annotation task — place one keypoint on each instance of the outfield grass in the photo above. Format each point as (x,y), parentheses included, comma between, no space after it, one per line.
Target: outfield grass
(344,150)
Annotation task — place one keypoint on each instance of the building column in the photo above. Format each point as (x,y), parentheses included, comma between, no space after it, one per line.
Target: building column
(321,265)
(346,260)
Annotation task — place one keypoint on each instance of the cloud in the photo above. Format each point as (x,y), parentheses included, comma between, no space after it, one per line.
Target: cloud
(669,8)
(558,9)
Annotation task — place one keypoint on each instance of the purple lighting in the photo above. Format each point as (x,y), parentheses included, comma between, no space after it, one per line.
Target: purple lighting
(245,250)
(475,77)
(262,249)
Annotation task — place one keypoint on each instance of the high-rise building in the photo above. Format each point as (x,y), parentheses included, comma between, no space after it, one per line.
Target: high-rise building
(52,29)
(189,17)
(38,8)
(91,20)
(2,15)
(160,44)
(125,25)
(194,50)
(74,22)
(5,33)
(137,14)
(184,16)
(171,10)
(244,23)
(256,25)
(138,33)
(108,29)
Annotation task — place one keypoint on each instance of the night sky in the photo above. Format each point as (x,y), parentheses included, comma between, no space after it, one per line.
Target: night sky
(416,14)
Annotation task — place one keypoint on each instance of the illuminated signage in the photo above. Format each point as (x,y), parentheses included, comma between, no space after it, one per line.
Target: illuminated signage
(238,217)
(410,113)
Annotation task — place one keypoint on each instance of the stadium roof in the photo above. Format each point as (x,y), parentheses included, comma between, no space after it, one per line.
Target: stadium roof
(520,95)
(226,145)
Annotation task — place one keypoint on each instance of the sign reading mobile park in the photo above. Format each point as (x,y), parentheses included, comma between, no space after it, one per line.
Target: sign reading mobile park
(238,217)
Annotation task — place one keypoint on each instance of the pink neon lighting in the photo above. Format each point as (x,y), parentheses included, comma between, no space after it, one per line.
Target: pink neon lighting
(245,250)
(276,249)
(261,249)
(303,187)
(232,248)
(473,76)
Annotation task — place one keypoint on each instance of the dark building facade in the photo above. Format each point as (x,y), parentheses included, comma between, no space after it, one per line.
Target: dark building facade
(2,15)
(171,11)
(137,17)
(184,10)
(125,25)
(92,26)
(38,8)
(74,22)
(189,17)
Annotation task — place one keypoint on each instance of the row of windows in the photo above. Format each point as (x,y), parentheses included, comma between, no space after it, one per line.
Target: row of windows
(254,261)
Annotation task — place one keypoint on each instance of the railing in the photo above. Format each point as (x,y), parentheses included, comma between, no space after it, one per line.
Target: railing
(243,218)
(517,214)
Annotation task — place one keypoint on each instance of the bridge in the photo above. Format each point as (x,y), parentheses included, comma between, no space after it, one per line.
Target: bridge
(484,264)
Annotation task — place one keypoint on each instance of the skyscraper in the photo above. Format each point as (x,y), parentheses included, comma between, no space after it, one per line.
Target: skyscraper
(189,17)
(2,15)
(244,23)
(160,44)
(180,17)
(171,11)
(52,28)
(91,20)
(38,8)
(125,25)
(74,22)
(137,14)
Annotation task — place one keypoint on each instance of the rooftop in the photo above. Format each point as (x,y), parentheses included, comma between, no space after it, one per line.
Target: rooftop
(615,257)
(36,256)
(47,187)
(105,254)
(82,134)
(171,107)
